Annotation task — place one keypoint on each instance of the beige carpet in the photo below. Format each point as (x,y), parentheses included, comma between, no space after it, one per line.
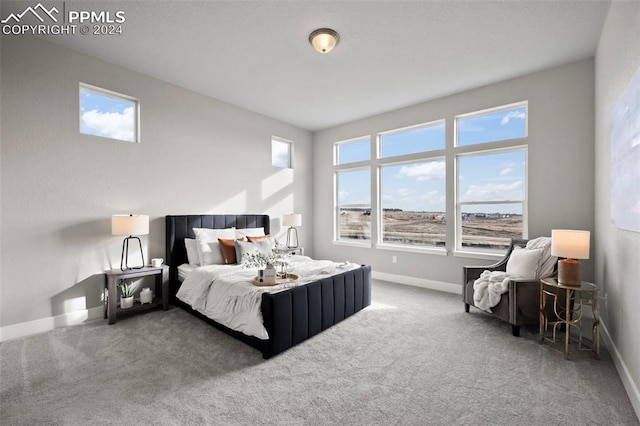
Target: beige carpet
(413,358)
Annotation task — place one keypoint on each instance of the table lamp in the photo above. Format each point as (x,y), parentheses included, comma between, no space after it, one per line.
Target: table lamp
(571,245)
(292,220)
(129,224)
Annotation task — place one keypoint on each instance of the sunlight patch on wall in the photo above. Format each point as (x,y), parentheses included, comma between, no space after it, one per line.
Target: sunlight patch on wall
(236,204)
(276,182)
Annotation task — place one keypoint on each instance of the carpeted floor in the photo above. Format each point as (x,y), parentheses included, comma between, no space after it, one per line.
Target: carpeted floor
(414,357)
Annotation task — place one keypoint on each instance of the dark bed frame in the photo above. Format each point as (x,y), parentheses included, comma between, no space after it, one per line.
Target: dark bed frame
(290,316)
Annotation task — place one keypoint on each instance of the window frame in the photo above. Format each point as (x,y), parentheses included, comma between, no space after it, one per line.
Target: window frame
(336,156)
(337,206)
(111,94)
(458,248)
(450,154)
(380,217)
(289,151)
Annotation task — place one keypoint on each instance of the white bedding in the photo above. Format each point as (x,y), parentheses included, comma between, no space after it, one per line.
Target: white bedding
(226,294)
(184,269)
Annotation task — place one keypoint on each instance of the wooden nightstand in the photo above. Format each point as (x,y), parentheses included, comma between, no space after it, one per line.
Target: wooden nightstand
(113,277)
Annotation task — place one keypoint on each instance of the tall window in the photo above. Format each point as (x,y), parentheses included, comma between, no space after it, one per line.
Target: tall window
(491,183)
(281,150)
(108,114)
(353,205)
(413,193)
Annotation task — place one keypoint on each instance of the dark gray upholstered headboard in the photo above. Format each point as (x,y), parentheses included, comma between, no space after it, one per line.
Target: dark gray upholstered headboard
(180,227)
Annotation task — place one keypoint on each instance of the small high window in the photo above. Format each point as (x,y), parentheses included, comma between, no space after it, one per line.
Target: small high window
(281,153)
(108,114)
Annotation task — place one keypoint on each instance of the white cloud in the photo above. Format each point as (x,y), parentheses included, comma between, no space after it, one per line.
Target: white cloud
(433,198)
(343,196)
(110,124)
(506,171)
(512,114)
(494,192)
(424,171)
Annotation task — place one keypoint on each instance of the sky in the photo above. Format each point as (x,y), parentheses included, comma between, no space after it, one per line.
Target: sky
(107,116)
(421,185)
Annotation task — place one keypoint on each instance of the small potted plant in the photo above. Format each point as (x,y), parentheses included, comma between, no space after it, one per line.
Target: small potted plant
(126,296)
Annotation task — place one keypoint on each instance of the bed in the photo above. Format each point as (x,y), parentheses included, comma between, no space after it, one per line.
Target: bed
(290,316)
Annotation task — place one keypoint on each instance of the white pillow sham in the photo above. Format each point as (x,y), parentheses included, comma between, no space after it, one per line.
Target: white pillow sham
(524,263)
(192,251)
(209,251)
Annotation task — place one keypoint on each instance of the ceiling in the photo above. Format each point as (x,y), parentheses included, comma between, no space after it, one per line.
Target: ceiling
(256,54)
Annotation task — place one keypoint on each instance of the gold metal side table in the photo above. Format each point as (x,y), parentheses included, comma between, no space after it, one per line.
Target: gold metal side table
(570,316)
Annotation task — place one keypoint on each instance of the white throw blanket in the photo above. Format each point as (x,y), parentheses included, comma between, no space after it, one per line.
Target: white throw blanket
(488,289)
(226,294)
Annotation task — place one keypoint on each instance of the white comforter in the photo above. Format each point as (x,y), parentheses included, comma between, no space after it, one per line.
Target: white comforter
(226,294)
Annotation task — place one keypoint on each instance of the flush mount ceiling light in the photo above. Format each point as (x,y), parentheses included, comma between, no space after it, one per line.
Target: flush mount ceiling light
(324,39)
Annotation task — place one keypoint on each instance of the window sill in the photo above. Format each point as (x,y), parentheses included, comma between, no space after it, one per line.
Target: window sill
(352,243)
(412,249)
(478,255)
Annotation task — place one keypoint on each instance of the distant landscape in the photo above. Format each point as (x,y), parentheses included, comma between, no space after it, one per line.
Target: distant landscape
(480,230)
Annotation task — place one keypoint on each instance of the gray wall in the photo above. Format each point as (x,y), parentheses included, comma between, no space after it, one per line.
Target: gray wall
(60,188)
(560,162)
(616,250)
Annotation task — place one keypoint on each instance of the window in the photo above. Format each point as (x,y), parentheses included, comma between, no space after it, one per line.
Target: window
(491,184)
(353,205)
(353,151)
(491,200)
(482,164)
(493,125)
(413,203)
(412,140)
(281,153)
(108,114)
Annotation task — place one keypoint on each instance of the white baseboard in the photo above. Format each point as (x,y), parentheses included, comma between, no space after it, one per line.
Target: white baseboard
(46,324)
(418,282)
(629,385)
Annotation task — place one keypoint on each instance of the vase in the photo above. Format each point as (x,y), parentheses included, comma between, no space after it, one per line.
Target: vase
(126,302)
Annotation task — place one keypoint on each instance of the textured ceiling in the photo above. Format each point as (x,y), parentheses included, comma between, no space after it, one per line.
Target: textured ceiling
(256,55)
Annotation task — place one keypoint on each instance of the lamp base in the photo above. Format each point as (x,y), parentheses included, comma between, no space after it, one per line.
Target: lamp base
(569,272)
(292,237)
(124,257)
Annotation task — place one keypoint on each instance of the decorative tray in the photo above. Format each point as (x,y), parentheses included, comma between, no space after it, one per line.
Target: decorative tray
(279,280)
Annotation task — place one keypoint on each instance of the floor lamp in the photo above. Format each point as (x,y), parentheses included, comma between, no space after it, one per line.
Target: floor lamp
(129,224)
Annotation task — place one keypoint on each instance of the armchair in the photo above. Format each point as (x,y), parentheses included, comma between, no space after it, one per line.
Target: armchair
(520,305)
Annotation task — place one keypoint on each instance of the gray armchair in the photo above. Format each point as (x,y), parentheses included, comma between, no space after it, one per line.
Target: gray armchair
(520,305)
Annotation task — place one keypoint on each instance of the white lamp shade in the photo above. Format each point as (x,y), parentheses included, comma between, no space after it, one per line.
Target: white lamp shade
(570,244)
(292,219)
(129,224)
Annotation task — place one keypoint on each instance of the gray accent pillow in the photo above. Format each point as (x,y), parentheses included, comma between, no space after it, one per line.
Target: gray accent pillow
(244,247)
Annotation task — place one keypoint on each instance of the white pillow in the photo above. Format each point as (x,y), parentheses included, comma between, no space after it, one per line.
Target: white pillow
(244,247)
(192,251)
(524,263)
(208,247)
(249,232)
